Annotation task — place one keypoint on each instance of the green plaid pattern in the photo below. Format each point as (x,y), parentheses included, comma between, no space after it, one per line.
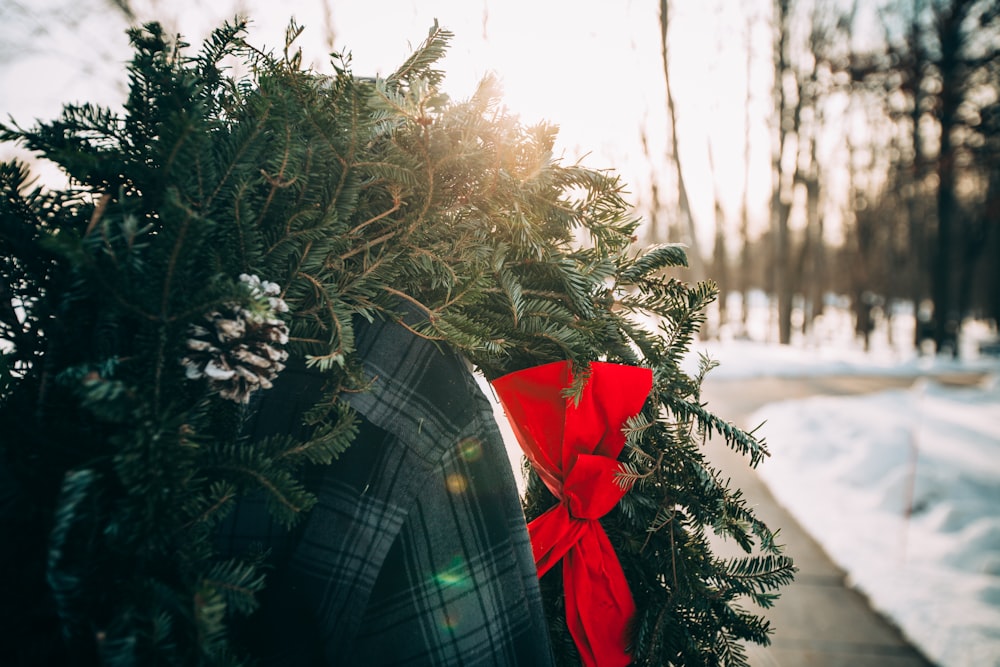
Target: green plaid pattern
(416,552)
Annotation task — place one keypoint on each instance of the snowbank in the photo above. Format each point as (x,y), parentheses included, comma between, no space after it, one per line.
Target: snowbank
(901,488)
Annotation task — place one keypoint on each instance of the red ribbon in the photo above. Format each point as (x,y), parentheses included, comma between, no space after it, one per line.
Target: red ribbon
(574,449)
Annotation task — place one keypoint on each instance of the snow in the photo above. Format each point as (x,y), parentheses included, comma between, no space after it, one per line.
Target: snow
(916,520)
(914,474)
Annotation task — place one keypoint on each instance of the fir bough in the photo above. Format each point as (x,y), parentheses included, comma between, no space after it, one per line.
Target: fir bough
(355,197)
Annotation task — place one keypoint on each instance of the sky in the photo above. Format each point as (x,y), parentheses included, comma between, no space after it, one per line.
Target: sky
(592,67)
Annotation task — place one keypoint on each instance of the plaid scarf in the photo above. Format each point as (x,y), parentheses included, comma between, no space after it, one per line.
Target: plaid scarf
(416,552)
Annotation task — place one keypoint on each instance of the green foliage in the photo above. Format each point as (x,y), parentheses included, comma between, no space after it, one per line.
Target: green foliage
(688,599)
(356,198)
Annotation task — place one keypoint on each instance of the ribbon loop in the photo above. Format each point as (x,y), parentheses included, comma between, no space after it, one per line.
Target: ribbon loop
(574,449)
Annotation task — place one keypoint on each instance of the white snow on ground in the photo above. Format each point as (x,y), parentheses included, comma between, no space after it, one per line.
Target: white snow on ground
(901,488)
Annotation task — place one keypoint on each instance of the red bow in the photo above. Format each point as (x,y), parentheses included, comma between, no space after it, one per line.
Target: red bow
(574,449)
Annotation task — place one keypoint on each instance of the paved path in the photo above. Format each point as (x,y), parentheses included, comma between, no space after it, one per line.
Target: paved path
(819,619)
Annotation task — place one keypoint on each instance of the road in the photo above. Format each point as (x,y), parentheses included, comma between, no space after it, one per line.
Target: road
(819,619)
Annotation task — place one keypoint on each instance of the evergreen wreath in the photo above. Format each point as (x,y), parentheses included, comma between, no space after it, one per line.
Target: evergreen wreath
(223,223)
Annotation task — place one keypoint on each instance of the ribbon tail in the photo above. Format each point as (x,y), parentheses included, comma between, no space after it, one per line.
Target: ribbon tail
(599,604)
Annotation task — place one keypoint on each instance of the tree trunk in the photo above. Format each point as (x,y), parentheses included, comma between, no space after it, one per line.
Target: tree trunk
(812,277)
(815,273)
(720,261)
(695,259)
(915,210)
(780,210)
(945,322)
(744,270)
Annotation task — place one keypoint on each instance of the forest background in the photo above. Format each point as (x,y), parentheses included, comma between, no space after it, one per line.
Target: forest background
(811,150)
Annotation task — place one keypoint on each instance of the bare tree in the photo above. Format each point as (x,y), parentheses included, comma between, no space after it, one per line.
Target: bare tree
(784,129)
(810,269)
(744,270)
(939,74)
(687,219)
(720,259)
(989,213)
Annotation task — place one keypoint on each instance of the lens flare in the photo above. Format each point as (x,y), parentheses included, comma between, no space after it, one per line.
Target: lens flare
(471,449)
(457,483)
(455,575)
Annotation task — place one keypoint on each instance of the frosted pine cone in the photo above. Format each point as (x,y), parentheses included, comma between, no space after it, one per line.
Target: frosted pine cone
(238,351)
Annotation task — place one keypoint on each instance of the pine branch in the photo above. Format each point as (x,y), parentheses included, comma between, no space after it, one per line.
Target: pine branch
(652,259)
(238,582)
(421,62)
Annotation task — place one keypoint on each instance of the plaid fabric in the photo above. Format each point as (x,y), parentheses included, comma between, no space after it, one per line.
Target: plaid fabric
(416,552)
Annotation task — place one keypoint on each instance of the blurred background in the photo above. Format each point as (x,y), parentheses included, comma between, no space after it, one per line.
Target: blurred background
(833,165)
(816,152)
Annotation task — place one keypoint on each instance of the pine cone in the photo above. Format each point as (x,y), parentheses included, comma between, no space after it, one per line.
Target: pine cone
(238,351)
